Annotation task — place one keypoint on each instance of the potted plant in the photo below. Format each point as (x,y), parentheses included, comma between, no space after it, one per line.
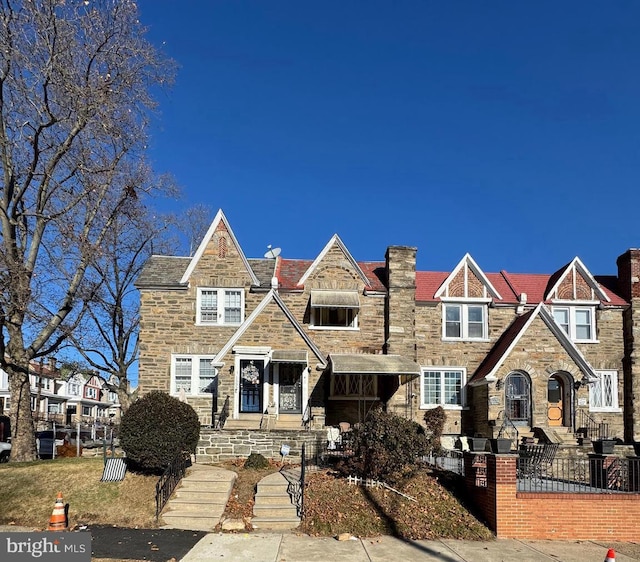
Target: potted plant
(604,446)
(478,444)
(501,445)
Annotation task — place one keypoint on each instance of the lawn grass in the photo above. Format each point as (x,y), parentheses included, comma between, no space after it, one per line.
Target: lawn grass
(29,492)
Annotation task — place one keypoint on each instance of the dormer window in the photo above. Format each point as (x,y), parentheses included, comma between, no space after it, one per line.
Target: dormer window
(220,307)
(578,322)
(464,321)
(334,309)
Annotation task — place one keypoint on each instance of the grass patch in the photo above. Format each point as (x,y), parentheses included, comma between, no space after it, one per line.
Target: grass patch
(29,493)
(332,506)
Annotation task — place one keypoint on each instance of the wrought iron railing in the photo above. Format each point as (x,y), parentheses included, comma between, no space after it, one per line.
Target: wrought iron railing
(169,480)
(296,485)
(224,414)
(508,429)
(579,475)
(306,417)
(590,428)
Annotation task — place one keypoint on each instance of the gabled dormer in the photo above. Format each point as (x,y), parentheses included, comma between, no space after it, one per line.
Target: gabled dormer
(221,275)
(574,295)
(466,294)
(335,283)
(93,388)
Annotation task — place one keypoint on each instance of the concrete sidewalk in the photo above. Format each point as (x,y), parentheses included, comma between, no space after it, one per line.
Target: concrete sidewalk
(274,547)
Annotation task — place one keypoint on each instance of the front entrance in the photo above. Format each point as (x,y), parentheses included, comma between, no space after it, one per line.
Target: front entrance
(251,379)
(555,406)
(290,388)
(518,399)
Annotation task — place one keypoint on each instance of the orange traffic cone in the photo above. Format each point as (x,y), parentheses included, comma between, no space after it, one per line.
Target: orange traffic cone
(58,519)
(611,556)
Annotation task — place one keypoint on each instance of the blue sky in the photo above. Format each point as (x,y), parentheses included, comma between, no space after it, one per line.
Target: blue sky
(509,130)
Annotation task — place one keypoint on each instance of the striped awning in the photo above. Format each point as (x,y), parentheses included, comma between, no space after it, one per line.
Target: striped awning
(335,299)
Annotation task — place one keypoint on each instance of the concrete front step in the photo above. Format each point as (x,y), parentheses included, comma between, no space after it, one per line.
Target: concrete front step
(275,523)
(195,495)
(280,511)
(273,508)
(201,505)
(191,520)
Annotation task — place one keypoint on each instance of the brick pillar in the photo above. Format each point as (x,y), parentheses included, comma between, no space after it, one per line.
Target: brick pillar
(629,287)
(400,314)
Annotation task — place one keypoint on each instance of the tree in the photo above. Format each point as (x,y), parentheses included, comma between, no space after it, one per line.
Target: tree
(107,337)
(75,98)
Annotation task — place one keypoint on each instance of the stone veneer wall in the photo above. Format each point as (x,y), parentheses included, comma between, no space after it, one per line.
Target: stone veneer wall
(216,446)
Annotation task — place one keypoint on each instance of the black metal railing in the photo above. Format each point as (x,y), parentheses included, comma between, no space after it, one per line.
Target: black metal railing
(450,460)
(579,475)
(224,414)
(169,480)
(508,429)
(306,417)
(590,428)
(296,485)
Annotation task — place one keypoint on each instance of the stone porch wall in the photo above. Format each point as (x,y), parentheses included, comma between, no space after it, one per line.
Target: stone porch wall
(216,446)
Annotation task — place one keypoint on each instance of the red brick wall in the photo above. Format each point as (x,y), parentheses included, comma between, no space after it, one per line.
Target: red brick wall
(526,515)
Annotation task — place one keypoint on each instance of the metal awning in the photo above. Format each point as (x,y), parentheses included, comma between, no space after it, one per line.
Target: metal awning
(335,299)
(360,364)
(289,356)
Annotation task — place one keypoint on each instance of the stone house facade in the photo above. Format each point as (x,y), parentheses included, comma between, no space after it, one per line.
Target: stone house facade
(293,343)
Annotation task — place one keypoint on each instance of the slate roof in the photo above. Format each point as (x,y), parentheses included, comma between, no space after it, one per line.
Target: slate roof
(290,271)
(162,271)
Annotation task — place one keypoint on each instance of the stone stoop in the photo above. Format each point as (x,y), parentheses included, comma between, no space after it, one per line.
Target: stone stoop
(199,501)
(273,509)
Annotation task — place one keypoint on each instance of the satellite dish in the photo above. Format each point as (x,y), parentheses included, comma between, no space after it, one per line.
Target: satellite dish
(272,252)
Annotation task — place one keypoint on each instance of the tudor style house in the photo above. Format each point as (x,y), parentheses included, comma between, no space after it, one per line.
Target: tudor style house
(312,343)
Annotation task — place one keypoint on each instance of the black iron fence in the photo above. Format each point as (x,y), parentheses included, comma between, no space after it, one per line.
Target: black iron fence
(582,475)
(169,480)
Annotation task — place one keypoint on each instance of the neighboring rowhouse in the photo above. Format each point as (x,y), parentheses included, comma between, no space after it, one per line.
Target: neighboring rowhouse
(79,398)
(321,341)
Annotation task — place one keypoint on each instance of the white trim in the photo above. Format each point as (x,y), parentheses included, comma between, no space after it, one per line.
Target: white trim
(195,372)
(615,406)
(571,310)
(470,263)
(220,308)
(441,370)
(464,321)
(576,264)
(335,239)
(205,241)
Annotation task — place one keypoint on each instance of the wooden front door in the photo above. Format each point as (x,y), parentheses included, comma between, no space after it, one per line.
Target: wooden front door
(555,408)
(251,380)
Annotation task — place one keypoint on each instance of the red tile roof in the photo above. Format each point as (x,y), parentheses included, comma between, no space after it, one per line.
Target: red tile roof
(511,285)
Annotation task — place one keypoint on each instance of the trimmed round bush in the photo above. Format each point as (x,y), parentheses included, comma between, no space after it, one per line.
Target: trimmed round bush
(386,447)
(155,429)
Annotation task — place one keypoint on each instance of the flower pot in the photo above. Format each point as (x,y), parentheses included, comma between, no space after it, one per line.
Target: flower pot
(501,445)
(478,444)
(604,446)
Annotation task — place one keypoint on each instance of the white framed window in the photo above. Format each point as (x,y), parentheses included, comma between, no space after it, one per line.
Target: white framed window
(603,394)
(578,322)
(91,392)
(54,408)
(350,386)
(220,307)
(464,321)
(442,386)
(86,410)
(74,388)
(192,373)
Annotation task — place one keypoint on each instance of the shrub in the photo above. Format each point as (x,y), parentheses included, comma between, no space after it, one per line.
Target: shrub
(155,429)
(386,447)
(434,425)
(256,461)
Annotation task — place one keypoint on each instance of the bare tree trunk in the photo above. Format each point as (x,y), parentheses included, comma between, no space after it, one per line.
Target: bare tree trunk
(23,437)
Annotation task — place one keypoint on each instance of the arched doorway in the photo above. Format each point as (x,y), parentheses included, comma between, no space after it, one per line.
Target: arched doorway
(517,394)
(558,400)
